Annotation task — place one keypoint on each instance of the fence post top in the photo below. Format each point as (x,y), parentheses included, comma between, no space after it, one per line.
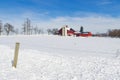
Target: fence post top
(17,43)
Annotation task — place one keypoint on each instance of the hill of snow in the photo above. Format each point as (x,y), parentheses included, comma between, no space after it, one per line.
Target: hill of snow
(46,57)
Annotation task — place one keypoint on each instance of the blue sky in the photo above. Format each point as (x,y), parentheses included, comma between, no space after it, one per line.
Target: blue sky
(95,15)
(61,7)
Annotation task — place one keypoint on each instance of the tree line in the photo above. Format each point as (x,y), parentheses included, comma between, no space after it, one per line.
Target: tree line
(114,33)
(27,29)
(7,28)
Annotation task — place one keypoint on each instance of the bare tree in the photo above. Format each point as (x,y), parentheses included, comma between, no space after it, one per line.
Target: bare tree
(17,31)
(8,28)
(114,33)
(49,31)
(1,26)
(35,30)
(27,28)
(24,29)
(52,31)
(40,31)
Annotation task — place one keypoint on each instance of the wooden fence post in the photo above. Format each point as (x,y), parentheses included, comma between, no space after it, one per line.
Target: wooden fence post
(16,55)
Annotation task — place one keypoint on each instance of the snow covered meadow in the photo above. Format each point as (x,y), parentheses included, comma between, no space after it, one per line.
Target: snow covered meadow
(44,57)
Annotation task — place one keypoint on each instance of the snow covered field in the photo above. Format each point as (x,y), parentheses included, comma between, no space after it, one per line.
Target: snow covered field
(46,57)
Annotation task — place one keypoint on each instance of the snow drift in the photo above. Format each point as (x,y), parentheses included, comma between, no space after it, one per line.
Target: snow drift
(60,58)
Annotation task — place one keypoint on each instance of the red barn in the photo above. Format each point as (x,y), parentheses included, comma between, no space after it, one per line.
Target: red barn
(72,32)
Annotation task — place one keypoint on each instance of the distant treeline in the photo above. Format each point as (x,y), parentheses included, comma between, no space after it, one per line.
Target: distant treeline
(114,33)
(28,29)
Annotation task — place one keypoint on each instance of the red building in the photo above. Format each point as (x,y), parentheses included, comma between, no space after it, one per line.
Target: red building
(84,34)
(72,32)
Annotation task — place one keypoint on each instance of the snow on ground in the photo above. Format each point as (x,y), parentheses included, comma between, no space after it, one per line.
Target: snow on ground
(60,58)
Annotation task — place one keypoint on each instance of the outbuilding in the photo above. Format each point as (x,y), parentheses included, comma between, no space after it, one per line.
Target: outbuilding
(66,31)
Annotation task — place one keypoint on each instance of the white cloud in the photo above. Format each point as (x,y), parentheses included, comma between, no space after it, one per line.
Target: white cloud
(34,15)
(94,23)
(106,3)
(59,19)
